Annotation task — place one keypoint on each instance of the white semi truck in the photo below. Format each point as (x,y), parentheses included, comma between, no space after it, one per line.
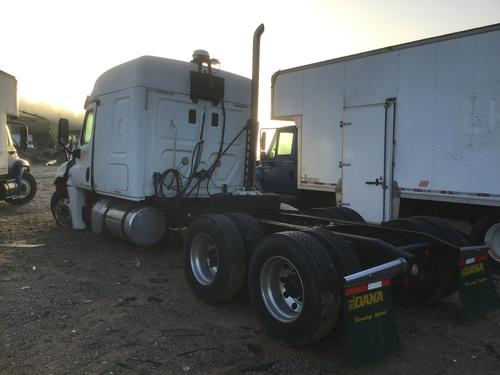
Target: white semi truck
(167,143)
(17,185)
(412,129)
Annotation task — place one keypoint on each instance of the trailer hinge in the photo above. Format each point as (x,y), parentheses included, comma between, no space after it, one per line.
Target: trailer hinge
(342,124)
(342,164)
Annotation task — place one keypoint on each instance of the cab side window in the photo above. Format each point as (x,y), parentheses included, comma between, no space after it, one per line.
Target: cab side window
(285,144)
(88,127)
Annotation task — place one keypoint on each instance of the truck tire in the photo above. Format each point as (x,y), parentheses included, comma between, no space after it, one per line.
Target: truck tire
(61,211)
(250,231)
(214,258)
(295,288)
(436,271)
(344,258)
(487,230)
(339,213)
(28,190)
(354,215)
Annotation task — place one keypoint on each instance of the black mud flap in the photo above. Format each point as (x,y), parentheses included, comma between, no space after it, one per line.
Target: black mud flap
(369,322)
(476,288)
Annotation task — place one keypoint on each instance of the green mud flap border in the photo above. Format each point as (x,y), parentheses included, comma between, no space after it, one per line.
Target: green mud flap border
(476,288)
(369,322)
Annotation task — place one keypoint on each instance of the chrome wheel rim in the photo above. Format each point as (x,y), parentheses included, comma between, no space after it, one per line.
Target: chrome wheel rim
(204,259)
(492,239)
(62,212)
(282,289)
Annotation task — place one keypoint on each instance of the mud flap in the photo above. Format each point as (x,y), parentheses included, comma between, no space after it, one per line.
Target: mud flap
(369,321)
(476,288)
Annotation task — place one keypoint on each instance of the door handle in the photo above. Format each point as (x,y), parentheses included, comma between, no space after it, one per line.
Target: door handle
(377,182)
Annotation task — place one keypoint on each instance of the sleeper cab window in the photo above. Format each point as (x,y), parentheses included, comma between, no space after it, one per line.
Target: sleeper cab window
(88,127)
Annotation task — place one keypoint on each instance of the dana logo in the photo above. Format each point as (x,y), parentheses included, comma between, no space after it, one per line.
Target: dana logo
(472,269)
(368,299)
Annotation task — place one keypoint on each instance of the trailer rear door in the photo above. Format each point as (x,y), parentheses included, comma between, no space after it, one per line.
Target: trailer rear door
(367,160)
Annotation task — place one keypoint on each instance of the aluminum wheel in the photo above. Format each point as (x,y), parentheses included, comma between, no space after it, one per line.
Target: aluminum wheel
(282,289)
(204,259)
(492,238)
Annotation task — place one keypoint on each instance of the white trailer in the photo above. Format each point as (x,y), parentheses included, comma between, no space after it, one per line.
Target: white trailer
(403,130)
(17,185)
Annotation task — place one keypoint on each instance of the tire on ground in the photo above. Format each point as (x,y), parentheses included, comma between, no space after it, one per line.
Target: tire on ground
(295,288)
(250,230)
(214,258)
(478,236)
(30,183)
(436,277)
(59,206)
(344,258)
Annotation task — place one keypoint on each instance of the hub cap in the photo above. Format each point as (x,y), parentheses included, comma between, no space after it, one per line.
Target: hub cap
(204,259)
(282,289)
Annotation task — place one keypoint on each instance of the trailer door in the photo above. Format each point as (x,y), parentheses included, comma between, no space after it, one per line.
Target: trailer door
(367,160)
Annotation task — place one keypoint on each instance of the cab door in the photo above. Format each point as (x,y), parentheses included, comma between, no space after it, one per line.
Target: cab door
(81,173)
(279,167)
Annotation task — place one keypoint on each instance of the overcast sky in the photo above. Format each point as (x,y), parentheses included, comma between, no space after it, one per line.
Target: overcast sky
(57,49)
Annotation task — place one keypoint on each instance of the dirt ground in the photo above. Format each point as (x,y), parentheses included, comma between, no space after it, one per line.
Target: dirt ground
(89,304)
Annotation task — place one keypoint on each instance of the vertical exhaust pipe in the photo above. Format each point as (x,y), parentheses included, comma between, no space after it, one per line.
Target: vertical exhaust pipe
(253,122)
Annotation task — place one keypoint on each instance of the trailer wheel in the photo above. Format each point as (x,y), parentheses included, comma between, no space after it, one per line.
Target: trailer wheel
(250,231)
(436,268)
(61,211)
(28,190)
(487,230)
(339,213)
(344,258)
(295,288)
(214,258)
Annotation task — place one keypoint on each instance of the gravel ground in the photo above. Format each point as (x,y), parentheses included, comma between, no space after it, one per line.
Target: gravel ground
(87,304)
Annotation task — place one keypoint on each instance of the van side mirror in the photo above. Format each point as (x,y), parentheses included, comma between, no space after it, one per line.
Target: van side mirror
(63,132)
(23,135)
(262,141)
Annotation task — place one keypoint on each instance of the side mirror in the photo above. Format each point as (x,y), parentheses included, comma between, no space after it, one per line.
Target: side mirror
(63,132)
(262,142)
(23,134)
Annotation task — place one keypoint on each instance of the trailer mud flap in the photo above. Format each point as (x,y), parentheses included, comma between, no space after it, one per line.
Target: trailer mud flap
(369,321)
(476,288)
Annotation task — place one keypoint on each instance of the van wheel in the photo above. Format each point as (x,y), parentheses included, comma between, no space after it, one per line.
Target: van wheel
(28,190)
(214,258)
(295,288)
(436,277)
(61,211)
